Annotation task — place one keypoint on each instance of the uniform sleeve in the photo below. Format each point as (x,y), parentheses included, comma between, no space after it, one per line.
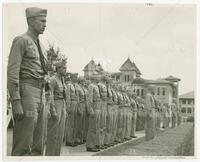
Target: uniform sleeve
(52,85)
(90,98)
(148,102)
(148,108)
(134,105)
(14,62)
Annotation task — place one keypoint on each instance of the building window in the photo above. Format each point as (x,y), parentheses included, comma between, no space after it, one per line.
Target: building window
(184,102)
(163,91)
(189,110)
(158,91)
(127,78)
(189,102)
(142,92)
(138,92)
(183,110)
(117,77)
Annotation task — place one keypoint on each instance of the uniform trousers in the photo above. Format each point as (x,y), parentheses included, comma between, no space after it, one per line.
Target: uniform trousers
(94,126)
(56,129)
(29,133)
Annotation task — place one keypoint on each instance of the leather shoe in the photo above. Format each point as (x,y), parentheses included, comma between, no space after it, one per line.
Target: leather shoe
(92,149)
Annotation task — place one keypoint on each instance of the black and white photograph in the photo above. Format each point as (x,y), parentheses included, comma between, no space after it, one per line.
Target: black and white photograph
(99,79)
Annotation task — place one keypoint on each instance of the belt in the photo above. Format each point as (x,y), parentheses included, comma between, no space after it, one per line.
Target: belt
(58,98)
(38,83)
(96,100)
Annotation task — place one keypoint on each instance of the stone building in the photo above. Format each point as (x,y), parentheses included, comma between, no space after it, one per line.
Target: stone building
(186,102)
(93,69)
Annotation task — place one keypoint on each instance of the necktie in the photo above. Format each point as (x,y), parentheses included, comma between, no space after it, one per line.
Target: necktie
(64,94)
(41,57)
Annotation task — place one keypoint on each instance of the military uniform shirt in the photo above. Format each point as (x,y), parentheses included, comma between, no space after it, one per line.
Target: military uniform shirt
(133,105)
(24,62)
(120,98)
(56,88)
(110,95)
(70,94)
(115,97)
(103,91)
(94,94)
(80,93)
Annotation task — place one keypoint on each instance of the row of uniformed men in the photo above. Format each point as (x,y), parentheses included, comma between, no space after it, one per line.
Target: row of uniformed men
(95,112)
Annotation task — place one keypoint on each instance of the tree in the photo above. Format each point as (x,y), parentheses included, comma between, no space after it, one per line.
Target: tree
(53,55)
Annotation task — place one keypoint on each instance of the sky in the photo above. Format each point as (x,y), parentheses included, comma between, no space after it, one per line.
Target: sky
(160,39)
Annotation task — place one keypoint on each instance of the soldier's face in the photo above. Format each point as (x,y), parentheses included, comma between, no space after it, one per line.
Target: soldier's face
(63,71)
(39,24)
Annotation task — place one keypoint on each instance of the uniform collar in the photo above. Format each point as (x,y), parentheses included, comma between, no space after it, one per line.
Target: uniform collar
(32,35)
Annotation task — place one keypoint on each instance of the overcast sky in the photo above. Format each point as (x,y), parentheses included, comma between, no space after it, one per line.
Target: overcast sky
(160,39)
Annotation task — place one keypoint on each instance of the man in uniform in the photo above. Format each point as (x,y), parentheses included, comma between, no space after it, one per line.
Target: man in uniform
(134,114)
(115,114)
(85,88)
(150,114)
(109,119)
(103,94)
(26,73)
(56,123)
(128,116)
(71,102)
(119,137)
(81,110)
(94,110)
(174,113)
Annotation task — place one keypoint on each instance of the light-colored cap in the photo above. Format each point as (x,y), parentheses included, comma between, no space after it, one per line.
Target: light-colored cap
(35,11)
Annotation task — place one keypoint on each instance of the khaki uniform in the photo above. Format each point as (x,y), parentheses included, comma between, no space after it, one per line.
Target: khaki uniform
(120,117)
(179,117)
(150,117)
(166,119)
(128,117)
(25,77)
(71,122)
(134,117)
(56,127)
(174,115)
(85,114)
(94,103)
(81,110)
(109,119)
(103,94)
(115,116)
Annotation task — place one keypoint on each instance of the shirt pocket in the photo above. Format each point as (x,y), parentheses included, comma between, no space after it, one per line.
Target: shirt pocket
(31,52)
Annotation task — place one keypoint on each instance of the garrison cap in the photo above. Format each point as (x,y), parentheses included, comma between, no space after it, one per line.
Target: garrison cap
(35,11)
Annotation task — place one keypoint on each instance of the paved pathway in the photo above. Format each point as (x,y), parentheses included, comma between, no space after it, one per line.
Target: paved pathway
(165,144)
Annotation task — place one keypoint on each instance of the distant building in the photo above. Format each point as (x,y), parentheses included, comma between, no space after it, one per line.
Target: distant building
(92,69)
(129,76)
(186,103)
